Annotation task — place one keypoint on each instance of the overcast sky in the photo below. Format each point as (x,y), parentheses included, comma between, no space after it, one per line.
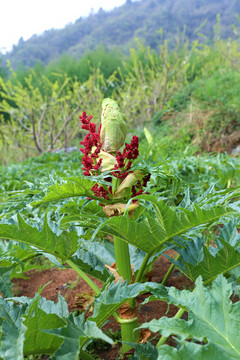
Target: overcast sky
(23,18)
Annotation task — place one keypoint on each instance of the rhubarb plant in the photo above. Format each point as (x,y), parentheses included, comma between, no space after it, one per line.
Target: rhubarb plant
(117,196)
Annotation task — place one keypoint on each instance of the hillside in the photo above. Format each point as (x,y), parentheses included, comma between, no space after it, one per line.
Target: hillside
(119,27)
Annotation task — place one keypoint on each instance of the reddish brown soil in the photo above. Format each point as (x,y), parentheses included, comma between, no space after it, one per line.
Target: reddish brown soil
(78,295)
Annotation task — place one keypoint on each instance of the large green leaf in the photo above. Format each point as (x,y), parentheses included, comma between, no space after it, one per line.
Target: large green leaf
(37,341)
(226,259)
(23,322)
(13,330)
(62,245)
(167,224)
(74,333)
(198,259)
(189,351)
(212,318)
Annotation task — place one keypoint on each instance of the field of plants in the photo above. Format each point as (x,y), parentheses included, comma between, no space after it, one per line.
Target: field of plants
(141,227)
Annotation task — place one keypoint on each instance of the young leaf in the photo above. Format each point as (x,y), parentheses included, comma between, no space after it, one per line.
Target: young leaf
(74,186)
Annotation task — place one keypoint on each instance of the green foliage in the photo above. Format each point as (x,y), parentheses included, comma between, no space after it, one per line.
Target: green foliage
(46,210)
(149,80)
(197,258)
(44,113)
(71,67)
(62,225)
(62,245)
(217,329)
(5,284)
(166,223)
(222,120)
(176,91)
(30,326)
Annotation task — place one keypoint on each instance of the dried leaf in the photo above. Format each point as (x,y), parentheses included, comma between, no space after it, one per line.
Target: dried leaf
(119,208)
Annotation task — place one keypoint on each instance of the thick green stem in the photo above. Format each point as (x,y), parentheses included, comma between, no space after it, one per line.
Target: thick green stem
(87,279)
(178,315)
(122,257)
(123,265)
(128,334)
(169,271)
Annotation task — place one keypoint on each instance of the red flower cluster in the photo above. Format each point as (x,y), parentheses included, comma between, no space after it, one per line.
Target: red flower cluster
(91,140)
(138,188)
(130,152)
(121,169)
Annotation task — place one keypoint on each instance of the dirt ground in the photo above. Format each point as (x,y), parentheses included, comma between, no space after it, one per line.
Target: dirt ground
(79,295)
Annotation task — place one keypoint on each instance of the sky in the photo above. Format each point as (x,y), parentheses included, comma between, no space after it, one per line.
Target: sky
(24,18)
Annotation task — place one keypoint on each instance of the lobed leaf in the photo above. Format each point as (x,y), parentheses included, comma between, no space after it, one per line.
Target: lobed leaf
(74,333)
(13,330)
(91,257)
(210,266)
(74,186)
(62,245)
(208,261)
(167,224)
(212,318)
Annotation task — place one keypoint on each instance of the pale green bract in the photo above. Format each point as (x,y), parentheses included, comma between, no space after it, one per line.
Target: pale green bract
(114,128)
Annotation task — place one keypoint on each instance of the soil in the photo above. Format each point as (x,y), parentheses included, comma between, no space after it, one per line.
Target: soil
(79,295)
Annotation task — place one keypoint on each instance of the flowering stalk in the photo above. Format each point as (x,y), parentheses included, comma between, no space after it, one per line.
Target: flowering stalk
(101,153)
(96,160)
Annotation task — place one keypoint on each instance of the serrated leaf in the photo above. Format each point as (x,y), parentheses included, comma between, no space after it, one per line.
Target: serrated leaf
(13,331)
(23,323)
(43,315)
(49,307)
(74,186)
(38,342)
(62,245)
(198,259)
(211,316)
(74,333)
(167,224)
(5,281)
(209,266)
